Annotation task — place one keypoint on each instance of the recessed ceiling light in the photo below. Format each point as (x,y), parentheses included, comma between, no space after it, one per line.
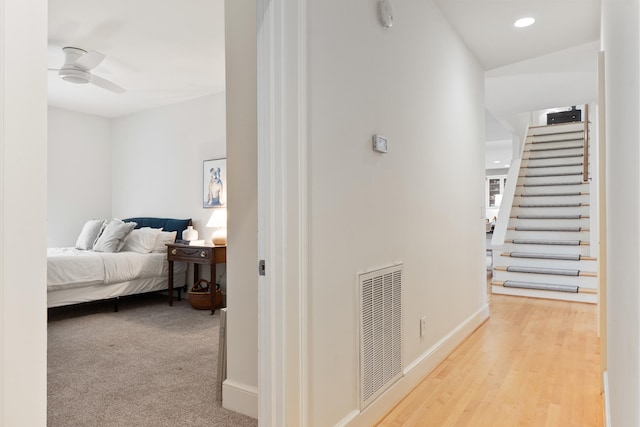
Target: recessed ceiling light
(496,161)
(524,22)
(506,166)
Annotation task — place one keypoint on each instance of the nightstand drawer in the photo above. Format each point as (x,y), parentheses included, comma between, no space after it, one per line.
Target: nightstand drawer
(198,254)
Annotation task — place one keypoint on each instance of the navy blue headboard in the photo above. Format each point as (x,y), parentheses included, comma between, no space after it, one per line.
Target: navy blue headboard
(167,224)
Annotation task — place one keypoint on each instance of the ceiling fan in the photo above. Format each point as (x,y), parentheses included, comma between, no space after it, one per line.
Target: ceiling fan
(77,66)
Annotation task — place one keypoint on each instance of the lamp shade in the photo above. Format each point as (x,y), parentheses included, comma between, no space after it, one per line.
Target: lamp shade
(218,218)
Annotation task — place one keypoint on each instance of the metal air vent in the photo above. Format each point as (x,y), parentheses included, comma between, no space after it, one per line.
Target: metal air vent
(380,331)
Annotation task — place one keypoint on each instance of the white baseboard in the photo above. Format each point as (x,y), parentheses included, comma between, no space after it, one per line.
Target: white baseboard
(240,398)
(607,413)
(416,371)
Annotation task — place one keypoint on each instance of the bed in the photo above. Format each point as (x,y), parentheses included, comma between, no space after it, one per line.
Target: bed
(136,264)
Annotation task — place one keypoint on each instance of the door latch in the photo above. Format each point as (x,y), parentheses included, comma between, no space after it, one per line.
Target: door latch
(261,267)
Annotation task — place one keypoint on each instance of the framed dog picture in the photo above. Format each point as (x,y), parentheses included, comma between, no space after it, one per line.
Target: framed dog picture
(214,183)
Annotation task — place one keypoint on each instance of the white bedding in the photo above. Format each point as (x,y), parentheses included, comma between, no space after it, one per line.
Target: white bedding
(69,268)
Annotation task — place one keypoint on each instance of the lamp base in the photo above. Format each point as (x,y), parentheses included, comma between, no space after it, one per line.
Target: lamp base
(219,238)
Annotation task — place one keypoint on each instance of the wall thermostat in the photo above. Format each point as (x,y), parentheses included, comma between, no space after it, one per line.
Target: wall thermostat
(380,144)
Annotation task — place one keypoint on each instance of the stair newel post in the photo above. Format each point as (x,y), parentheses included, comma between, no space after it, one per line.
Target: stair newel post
(585,166)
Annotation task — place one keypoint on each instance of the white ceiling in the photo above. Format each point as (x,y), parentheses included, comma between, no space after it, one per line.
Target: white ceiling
(161,52)
(170,51)
(553,63)
(487,28)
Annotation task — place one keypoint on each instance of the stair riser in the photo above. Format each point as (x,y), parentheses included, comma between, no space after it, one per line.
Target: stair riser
(547,170)
(554,249)
(583,282)
(585,265)
(553,140)
(577,186)
(562,296)
(551,162)
(548,235)
(557,133)
(552,199)
(557,128)
(575,180)
(514,222)
(553,143)
(582,210)
(545,152)
(554,189)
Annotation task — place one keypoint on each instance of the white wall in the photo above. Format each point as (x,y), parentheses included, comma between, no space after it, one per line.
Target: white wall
(158,155)
(143,164)
(621,44)
(498,150)
(420,204)
(78,173)
(23,205)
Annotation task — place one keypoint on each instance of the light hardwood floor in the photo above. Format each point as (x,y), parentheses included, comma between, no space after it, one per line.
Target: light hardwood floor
(534,363)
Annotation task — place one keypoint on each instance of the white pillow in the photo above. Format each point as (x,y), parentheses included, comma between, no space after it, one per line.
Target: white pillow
(163,238)
(112,238)
(141,240)
(90,233)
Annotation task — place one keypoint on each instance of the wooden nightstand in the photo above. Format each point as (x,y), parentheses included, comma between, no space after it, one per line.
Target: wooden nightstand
(208,255)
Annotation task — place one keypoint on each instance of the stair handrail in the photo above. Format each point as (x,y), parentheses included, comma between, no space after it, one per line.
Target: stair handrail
(585,161)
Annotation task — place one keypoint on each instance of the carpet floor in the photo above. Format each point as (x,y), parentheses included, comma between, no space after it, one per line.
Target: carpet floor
(147,365)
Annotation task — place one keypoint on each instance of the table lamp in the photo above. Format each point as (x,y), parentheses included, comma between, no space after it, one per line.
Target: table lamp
(218,220)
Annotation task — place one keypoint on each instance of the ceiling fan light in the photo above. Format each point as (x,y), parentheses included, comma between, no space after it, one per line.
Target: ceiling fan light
(74,79)
(524,22)
(74,76)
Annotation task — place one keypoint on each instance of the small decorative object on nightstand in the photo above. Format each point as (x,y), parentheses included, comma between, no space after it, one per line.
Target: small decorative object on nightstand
(190,233)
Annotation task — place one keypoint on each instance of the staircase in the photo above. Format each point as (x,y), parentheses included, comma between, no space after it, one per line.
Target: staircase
(547,245)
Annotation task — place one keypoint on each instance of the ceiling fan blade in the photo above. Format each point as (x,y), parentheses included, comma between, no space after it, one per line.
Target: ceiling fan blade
(106,84)
(90,60)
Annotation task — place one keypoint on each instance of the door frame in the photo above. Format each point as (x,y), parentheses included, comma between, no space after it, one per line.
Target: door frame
(282,212)
(602,218)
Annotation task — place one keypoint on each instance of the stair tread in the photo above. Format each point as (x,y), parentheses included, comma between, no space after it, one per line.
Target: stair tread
(543,175)
(567,124)
(549,217)
(571,147)
(554,229)
(548,242)
(550,141)
(541,286)
(551,205)
(553,184)
(568,194)
(540,255)
(571,272)
(558,156)
(559,165)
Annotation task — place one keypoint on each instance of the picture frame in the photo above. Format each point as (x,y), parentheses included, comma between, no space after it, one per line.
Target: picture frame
(214,183)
